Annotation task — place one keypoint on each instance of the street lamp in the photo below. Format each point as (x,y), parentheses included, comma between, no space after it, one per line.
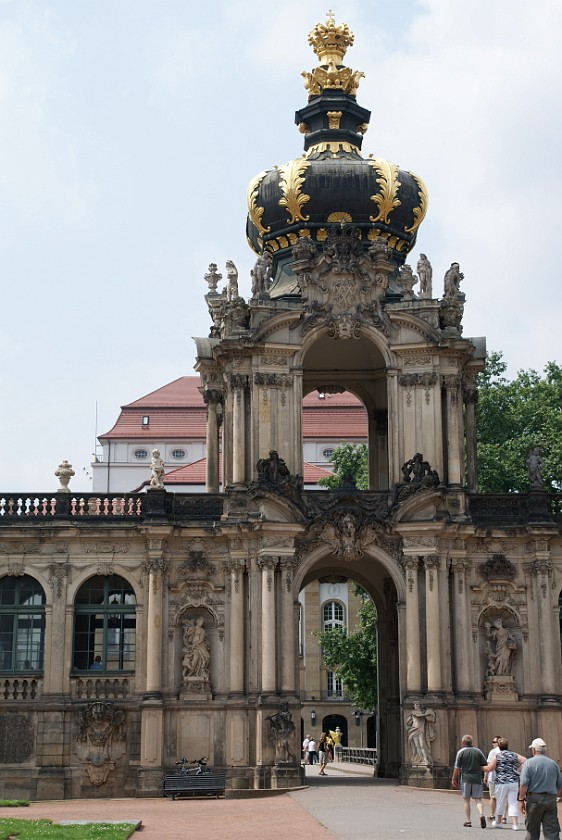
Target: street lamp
(313,717)
(358,715)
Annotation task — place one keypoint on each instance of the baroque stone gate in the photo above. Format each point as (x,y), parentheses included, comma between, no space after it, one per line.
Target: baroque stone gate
(143,627)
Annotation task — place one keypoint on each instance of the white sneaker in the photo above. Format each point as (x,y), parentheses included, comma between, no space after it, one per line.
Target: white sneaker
(516,828)
(495,824)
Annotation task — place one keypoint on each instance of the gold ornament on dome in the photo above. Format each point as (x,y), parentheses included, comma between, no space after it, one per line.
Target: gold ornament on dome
(389,184)
(330,43)
(419,212)
(339,216)
(255,213)
(291,179)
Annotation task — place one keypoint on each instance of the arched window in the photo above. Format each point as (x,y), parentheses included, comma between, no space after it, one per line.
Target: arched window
(22,624)
(105,625)
(332,615)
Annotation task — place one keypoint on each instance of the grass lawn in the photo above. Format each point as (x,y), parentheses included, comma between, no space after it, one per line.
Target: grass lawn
(12,829)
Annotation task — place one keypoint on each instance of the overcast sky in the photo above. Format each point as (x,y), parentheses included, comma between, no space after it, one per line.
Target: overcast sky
(129,130)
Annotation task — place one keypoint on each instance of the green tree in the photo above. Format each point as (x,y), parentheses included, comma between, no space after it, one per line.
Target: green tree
(350,462)
(511,417)
(352,656)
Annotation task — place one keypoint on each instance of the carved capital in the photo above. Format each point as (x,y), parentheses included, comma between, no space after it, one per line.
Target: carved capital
(238,381)
(212,396)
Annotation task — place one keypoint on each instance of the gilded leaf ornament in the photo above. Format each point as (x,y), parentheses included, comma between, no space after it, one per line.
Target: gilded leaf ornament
(419,212)
(255,213)
(291,179)
(389,184)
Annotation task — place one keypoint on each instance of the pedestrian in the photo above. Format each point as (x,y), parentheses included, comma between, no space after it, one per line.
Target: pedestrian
(506,765)
(322,754)
(469,762)
(541,783)
(305,744)
(490,777)
(312,751)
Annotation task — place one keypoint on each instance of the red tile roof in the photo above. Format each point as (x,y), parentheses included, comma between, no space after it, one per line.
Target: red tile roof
(177,411)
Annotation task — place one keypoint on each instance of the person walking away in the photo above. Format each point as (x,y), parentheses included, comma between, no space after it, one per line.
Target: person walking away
(312,751)
(506,765)
(541,783)
(305,744)
(490,777)
(469,762)
(322,754)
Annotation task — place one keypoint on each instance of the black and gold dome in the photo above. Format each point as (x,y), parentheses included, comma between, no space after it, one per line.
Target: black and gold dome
(332,183)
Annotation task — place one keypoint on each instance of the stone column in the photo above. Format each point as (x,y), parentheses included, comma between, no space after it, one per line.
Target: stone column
(238,383)
(236,568)
(461,625)
(543,571)
(155,567)
(288,637)
(470,395)
(413,670)
(212,399)
(268,647)
(454,430)
(432,623)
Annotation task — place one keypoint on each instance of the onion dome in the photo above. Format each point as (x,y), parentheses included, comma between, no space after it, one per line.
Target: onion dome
(331,183)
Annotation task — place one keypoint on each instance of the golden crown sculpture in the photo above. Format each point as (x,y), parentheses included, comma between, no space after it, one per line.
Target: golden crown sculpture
(330,43)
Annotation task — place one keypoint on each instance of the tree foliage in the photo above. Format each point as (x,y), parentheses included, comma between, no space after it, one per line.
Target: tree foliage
(350,462)
(352,656)
(511,417)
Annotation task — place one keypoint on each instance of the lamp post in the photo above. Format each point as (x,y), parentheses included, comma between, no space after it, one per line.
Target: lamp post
(313,717)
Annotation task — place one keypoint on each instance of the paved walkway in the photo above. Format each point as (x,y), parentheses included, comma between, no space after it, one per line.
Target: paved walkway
(347,804)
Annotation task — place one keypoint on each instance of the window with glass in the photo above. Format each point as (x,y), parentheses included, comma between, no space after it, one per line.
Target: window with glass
(178,454)
(332,615)
(22,625)
(141,454)
(105,625)
(334,686)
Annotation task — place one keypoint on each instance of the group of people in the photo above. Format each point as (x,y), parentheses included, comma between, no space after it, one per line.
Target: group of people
(321,752)
(529,787)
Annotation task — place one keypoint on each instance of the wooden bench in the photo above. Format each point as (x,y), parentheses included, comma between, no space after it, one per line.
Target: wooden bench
(194,784)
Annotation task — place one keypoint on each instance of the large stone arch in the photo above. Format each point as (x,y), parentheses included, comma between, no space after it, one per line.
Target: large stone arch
(380,574)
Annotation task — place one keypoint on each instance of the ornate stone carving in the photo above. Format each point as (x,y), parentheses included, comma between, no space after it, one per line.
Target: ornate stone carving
(418,380)
(57,573)
(498,567)
(282,734)
(349,533)
(418,476)
(64,473)
(196,564)
(421,734)
(157,470)
(212,277)
(343,287)
(535,468)
(425,273)
(101,737)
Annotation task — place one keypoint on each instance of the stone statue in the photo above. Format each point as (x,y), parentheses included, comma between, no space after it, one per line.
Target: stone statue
(282,733)
(535,468)
(425,273)
(501,648)
(421,732)
(261,274)
(64,473)
(157,470)
(196,655)
(407,280)
(452,281)
(232,281)
(272,469)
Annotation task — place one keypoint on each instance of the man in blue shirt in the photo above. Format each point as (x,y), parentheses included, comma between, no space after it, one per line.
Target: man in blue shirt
(541,783)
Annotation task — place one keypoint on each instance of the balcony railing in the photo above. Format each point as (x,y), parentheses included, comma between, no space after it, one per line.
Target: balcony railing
(357,755)
(20,688)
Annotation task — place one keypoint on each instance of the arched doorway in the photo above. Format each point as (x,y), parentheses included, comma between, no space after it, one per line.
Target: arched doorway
(326,580)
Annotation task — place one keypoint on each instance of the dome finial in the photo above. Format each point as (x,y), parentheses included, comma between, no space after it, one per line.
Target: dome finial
(330,42)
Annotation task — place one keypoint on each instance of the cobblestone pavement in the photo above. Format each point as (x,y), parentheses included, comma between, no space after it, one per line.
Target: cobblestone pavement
(347,804)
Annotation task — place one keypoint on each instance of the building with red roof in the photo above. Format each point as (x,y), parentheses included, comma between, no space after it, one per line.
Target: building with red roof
(173,419)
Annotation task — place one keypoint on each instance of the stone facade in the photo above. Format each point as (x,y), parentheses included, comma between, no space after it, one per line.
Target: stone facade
(138,628)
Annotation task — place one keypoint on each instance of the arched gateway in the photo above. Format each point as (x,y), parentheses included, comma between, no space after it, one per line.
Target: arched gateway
(190,614)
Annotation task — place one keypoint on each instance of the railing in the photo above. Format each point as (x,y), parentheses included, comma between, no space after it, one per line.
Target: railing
(39,508)
(357,755)
(20,688)
(102,688)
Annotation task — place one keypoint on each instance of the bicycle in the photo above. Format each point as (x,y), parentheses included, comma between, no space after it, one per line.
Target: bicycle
(185,770)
